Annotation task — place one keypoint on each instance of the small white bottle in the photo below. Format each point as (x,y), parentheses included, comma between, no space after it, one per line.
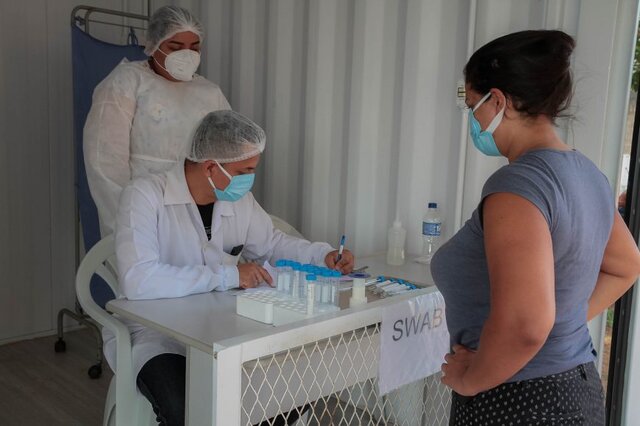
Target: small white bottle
(431,227)
(358,296)
(395,243)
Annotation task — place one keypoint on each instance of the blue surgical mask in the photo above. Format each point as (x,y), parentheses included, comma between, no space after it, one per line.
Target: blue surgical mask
(483,139)
(237,188)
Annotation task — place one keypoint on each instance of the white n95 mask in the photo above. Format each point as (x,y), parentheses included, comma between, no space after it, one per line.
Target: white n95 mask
(181,64)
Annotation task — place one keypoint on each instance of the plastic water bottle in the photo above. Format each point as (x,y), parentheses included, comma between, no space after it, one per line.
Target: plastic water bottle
(431,224)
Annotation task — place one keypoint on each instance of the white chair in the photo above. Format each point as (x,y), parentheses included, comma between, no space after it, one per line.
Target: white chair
(124,404)
(285,227)
(281,225)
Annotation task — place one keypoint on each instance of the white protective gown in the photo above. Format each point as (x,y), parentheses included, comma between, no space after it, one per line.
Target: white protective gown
(167,254)
(140,122)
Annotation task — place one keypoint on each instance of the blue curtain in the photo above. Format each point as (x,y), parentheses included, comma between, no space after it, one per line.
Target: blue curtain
(93,60)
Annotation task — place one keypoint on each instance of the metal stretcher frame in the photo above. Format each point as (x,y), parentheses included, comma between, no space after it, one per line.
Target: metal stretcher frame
(81,17)
(85,20)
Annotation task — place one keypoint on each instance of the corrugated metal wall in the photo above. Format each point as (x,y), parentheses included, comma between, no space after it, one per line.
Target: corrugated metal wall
(347,91)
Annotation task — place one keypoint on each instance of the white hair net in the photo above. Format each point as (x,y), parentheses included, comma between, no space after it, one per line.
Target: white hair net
(167,22)
(226,136)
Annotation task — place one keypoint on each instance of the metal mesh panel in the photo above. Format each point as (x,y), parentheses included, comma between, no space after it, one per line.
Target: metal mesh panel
(334,382)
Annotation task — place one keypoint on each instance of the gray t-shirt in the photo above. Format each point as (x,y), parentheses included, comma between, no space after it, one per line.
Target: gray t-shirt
(576,201)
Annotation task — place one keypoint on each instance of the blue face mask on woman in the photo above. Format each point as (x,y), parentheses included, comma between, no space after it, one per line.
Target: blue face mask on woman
(237,188)
(483,139)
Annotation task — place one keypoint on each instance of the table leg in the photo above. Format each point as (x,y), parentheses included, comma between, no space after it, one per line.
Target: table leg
(199,388)
(213,394)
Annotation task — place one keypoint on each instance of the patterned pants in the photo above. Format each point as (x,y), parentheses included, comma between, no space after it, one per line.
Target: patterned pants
(574,397)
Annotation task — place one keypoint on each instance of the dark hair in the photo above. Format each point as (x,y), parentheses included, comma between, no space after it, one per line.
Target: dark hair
(532,68)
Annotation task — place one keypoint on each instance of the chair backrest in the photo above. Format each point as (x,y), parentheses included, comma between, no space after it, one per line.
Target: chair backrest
(281,225)
(92,60)
(99,261)
(284,226)
(130,406)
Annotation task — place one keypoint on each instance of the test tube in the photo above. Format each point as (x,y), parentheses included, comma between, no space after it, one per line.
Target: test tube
(382,283)
(295,282)
(321,279)
(404,289)
(393,287)
(379,288)
(311,284)
(325,294)
(280,268)
(335,288)
(302,286)
(287,276)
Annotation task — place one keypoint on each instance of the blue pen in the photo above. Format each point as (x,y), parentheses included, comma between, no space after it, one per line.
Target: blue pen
(340,249)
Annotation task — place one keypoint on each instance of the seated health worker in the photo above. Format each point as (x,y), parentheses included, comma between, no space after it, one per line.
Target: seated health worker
(144,113)
(182,232)
(544,252)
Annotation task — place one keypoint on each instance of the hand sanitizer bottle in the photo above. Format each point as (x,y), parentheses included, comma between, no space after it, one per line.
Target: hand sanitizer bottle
(395,248)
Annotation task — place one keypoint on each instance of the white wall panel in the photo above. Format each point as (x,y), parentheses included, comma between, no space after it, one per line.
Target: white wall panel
(357,98)
(249,46)
(371,103)
(285,93)
(592,64)
(61,157)
(25,230)
(430,121)
(216,63)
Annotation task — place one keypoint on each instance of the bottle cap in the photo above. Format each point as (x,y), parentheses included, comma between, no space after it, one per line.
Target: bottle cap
(433,205)
(397,223)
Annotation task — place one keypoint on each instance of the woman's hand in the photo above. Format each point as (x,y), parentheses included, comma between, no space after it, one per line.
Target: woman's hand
(454,369)
(344,265)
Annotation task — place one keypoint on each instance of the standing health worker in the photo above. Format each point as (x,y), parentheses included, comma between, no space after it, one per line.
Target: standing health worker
(144,113)
(544,252)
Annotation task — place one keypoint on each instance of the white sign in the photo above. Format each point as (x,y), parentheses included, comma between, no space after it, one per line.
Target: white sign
(413,341)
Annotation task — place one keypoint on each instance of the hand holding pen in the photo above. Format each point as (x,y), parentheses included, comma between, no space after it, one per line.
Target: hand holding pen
(340,248)
(341,259)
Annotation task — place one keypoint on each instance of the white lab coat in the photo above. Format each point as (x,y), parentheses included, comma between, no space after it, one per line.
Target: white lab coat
(162,250)
(140,122)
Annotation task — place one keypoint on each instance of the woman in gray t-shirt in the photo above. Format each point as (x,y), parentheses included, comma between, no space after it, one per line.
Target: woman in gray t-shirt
(544,252)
